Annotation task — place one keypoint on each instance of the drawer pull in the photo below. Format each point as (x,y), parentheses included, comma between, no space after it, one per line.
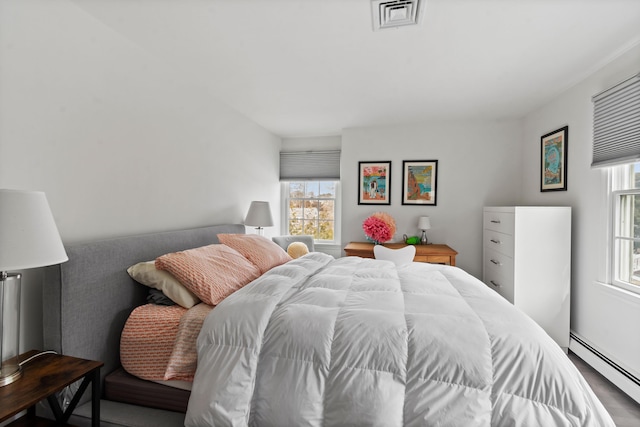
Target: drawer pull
(494,284)
(496,262)
(497,242)
(495,221)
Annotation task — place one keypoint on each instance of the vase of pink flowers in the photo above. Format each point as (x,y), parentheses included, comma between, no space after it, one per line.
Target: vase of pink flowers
(379,227)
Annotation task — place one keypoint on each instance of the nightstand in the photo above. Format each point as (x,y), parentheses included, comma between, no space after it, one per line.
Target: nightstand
(44,376)
(432,253)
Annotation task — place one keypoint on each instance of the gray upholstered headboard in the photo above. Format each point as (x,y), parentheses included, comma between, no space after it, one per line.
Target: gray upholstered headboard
(88,298)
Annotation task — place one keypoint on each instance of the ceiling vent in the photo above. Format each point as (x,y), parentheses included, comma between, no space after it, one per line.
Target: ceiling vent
(395,13)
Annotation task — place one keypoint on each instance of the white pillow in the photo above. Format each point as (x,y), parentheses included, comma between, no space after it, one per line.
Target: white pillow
(397,256)
(147,274)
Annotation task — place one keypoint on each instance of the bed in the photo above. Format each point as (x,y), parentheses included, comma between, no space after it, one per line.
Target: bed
(324,341)
(86,302)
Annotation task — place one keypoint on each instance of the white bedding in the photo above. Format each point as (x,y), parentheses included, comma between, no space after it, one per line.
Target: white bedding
(355,341)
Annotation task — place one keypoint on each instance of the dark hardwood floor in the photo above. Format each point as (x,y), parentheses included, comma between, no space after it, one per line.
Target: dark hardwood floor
(624,410)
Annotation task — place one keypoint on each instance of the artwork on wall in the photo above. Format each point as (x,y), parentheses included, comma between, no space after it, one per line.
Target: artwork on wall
(419,181)
(553,165)
(374,183)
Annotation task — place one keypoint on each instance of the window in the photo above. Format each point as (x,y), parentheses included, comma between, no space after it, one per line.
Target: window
(311,208)
(626,227)
(616,141)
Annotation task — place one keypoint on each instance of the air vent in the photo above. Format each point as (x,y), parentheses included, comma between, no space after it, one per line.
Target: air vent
(395,13)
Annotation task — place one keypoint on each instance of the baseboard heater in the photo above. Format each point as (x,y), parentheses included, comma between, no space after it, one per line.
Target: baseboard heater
(631,379)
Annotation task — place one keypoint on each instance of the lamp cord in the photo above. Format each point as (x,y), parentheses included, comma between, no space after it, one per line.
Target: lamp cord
(42,353)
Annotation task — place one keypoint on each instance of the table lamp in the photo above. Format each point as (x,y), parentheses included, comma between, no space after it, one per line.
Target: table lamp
(424,224)
(259,216)
(29,238)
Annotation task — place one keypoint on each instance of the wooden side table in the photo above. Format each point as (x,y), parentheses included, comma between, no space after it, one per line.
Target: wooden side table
(44,376)
(434,254)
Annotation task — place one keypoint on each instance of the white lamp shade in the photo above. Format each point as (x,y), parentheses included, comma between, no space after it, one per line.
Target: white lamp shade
(424,223)
(29,237)
(259,215)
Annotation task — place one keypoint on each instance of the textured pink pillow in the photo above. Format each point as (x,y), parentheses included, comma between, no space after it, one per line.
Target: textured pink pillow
(261,251)
(211,272)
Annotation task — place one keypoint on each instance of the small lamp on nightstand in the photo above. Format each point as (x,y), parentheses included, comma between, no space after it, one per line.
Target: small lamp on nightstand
(424,224)
(259,216)
(28,239)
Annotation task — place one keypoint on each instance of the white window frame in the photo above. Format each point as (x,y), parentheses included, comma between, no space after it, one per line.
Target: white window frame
(284,189)
(620,181)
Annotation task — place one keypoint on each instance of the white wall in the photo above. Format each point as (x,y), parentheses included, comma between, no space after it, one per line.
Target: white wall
(478,165)
(120,141)
(605,316)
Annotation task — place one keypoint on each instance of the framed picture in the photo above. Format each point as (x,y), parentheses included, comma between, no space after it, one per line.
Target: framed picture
(419,182)
(374,183)
(553,164)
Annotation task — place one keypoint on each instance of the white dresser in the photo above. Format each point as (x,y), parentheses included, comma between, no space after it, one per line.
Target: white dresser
(527,260)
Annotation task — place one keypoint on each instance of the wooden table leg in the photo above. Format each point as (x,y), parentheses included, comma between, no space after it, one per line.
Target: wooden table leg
(95,399)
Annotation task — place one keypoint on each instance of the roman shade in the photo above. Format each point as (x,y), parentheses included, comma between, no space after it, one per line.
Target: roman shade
(310,165)
(616,124)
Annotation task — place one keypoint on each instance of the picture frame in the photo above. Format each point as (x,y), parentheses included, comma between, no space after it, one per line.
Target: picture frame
(553,160)
(419,182)
(374,183)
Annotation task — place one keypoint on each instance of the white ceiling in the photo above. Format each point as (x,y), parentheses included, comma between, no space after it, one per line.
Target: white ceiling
(314,67)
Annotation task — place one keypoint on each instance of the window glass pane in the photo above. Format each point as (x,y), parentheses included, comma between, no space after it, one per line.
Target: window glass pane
(629,261)
(325,231)
(327,189)
(626,242)
(295,209)
(311,209)
(635,205)
(327,209)
(296,189)
(629,220)
(310,227)
(312,189)
(295,227)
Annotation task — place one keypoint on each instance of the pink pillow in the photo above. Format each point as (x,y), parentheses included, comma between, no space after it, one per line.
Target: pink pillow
(261,251)
(211,272)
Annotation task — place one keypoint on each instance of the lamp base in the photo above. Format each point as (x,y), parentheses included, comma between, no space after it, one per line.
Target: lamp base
(9,327)
(423,239)
(9,374)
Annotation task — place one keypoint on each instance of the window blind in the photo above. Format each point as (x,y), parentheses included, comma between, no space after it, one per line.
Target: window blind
(309,165)
(616,124)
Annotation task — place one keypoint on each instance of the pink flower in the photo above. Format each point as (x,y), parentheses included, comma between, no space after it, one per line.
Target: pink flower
(379,227)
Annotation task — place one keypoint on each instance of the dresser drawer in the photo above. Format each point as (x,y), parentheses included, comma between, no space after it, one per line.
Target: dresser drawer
(503,222)
(498,263)
(433,259)
(498,273)
(500,283)
(497,241)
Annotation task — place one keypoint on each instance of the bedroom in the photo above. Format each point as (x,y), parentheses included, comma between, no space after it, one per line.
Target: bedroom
(106,111)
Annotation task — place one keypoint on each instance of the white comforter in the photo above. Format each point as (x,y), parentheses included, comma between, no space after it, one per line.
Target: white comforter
(351,341)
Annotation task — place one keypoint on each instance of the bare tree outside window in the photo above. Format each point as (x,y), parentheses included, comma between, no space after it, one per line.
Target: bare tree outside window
(311,209)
